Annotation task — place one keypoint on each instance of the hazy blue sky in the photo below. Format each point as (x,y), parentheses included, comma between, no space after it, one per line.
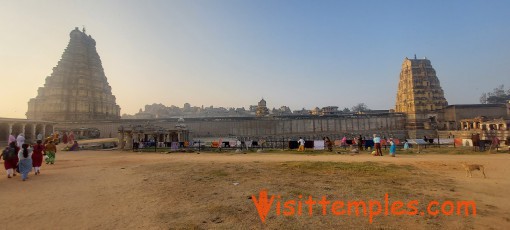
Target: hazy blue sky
(231,53)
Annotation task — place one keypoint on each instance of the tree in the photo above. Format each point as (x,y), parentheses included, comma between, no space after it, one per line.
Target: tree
(360,107)
(346,110)
(483,98)
(497,96)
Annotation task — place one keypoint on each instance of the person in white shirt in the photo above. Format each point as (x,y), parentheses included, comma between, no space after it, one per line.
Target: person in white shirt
(377,145)
(20,140)
(301,143)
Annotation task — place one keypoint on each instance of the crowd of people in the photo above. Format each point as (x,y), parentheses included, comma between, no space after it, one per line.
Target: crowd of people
(20,157)
(358,144)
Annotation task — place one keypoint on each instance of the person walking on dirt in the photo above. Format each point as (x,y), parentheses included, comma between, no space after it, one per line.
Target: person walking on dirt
(10,157)
(51,150)
(301,143)
(25,161)
(37,157)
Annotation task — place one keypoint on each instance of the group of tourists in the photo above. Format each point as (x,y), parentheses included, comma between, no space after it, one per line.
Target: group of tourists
(358,141)
(21,157)
(68,138)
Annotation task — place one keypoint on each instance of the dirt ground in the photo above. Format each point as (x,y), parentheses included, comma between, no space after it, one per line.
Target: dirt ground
(126,190)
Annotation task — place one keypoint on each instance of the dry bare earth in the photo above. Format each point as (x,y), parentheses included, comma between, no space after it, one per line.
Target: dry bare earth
(119,190)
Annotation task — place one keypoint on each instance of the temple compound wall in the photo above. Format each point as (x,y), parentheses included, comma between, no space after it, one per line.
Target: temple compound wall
(390,124)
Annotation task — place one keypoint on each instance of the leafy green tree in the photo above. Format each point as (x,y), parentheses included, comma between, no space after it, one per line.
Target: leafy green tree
(497,96)
(360,107)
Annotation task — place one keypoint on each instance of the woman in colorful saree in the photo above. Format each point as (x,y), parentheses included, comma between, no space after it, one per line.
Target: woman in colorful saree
(25,161)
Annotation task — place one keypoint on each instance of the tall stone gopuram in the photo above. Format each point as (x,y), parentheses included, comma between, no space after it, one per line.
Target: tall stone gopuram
(419,94)
(77,90)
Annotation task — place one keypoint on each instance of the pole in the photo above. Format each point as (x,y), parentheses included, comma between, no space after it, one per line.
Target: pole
(437,133)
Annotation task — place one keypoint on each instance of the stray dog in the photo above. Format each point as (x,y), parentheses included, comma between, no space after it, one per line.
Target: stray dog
(473,167)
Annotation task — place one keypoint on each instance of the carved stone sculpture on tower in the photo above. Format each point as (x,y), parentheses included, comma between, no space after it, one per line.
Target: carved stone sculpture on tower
(77,90)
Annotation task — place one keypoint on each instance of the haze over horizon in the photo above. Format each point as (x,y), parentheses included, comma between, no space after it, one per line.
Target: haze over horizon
(225,53)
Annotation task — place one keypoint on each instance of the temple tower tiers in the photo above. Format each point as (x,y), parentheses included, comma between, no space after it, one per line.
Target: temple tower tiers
(77,90)
(419,93)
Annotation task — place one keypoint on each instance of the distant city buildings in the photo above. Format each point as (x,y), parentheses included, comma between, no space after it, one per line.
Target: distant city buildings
(260,110)
(282,111)
(188,111)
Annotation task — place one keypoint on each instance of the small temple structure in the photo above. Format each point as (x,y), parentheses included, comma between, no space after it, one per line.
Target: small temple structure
(262,109)
(148,133)
(77,90)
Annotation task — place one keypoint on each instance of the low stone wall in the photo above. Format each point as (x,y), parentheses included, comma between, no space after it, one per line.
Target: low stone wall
(268,127)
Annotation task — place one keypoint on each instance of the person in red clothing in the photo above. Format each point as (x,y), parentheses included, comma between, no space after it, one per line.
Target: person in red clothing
(37,157)
(65,138)
(10,157)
